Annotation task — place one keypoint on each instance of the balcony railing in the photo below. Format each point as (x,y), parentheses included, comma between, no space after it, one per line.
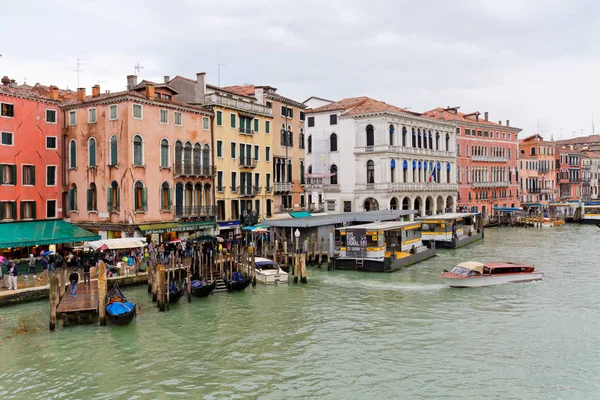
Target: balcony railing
(413,187)
(205,170)
(242,105)
(403,149)
(187,169)
(182,169)
(282,186)
(247,162)
(321,184)
(195,211)
(246,131)
(269,189)
(534,190)
(491,184)
(489,158)
(247,191)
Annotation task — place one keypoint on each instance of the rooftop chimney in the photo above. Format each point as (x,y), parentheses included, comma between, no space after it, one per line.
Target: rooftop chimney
(486,115)
(80,94)
(131,81)
(508,122)
(476,116)
(13,83)
(200,87)
(95,90)
(150,91)
(5,80)
(499,122)
(53,92)
(167,78)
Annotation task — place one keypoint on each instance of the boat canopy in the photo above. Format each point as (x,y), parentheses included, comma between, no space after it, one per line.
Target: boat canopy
(118,244)
(472,265)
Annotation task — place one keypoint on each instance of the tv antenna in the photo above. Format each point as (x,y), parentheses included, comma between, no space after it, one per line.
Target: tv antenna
(219,73)
(137,68)
(79,70)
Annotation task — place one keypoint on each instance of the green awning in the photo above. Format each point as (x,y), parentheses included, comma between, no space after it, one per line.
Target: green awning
(175,227)
(300,214)
(35,233)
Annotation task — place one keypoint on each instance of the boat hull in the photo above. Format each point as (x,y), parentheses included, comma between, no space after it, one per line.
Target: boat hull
(204,291)
(455,243)
(271,279)
(492,280)
(382,265)
(175,296)
(236,286)
(121,319)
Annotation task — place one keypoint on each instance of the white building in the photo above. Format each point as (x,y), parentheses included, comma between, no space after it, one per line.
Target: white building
(363,154)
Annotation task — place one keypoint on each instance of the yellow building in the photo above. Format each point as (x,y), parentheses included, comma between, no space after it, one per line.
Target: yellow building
(243,156)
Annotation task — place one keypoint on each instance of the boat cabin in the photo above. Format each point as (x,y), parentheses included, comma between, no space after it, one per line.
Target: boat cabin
(452,230)
(591,213)
(381,246)
(473,268)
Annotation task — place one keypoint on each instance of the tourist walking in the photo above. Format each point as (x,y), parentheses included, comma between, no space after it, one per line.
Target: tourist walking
(51,260)
(31,267)
(12,276)
(86,273)
(44,262)
(74,278)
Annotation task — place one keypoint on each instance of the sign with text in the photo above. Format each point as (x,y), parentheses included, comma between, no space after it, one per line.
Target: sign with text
(356,243)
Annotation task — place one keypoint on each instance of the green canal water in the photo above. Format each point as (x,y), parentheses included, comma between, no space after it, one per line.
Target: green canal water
(345,335)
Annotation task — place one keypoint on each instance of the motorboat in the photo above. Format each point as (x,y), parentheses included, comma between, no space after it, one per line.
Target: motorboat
(477,274)
(269,272)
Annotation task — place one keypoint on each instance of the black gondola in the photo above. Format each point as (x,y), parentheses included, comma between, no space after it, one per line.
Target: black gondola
(119,311)
(237,282)
(200,289)
(175,293)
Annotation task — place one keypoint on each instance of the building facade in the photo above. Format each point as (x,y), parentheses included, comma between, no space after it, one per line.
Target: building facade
(243,134)
(591,165)
(537,171)
(138,158)
(568,174)
(30,153)
(487,157)
(363,155)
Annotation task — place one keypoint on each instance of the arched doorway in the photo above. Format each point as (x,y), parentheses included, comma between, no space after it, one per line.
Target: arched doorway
(439,209)
(406,203)
(370,204)
(394,203)
(450,204)
(428,205)
(417,205)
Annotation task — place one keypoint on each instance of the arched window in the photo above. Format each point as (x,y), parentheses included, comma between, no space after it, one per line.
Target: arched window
(333,179)
(92,152)
(114,151)
(333,142)
(140,197)
(165,197)
(404,136)
(447,142)
(197,199)
(370,171)
(467,176)
(196,157)
(113,198)
(301,138)
(414,138)
(370,135)
(164,153)
(302,179)
(92,198)
(72,198)
(309,144)
(72,154)
(419,139)
(178,158)
(138,150)
(437,140)
(187,159)
(206,158)
(430,140)
(391,135)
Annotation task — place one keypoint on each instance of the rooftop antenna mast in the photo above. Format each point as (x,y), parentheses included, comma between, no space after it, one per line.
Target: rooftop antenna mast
(137,68)
(219,73)
(79,70)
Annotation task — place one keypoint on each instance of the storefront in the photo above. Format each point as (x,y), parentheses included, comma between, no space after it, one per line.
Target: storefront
(228,229)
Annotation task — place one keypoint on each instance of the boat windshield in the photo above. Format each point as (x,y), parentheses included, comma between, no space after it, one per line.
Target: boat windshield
(263,265)
(464,271)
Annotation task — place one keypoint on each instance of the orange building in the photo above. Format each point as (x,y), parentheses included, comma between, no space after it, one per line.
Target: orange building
(537,171)
(138,162)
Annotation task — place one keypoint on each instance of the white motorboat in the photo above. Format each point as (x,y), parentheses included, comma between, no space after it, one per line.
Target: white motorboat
(476,274)
(269,272)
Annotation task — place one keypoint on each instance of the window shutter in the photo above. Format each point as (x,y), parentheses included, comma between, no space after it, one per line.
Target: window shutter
(110,201)
(89,200)
(22,210)
(256,125)
(283,110)
(2,166)
(118,201)
(144,199)
(33,213)
(14,209)
(13,174)
(291,112)
(33,175)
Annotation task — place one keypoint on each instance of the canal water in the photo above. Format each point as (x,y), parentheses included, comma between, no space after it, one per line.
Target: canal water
(345,335)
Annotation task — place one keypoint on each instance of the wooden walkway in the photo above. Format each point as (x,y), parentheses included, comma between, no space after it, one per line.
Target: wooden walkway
(86,300)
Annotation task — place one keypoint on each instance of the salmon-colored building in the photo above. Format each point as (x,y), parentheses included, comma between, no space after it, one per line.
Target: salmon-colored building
(537,171)
(568,174)
(30,148)
(487,157)
(138,163)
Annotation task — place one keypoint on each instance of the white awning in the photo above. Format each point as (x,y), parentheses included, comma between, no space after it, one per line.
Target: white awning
(117,244)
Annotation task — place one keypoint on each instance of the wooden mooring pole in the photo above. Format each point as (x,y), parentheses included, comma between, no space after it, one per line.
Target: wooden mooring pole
(303,269)
(102,293)
(189,283)
(53,300)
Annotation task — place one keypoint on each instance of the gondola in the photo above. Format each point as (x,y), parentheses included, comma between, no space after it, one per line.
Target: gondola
(237,282)
(175,293)
(202,288)
(119,311)
(598,224)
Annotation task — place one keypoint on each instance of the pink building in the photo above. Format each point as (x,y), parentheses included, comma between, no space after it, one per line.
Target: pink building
(138,163)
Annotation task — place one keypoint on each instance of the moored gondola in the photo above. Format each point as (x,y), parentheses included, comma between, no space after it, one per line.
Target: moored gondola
(202,288)
(119,311)
(237,282)
(175,293)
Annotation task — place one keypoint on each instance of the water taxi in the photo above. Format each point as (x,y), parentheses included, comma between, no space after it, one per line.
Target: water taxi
(476,274)
(269,272)
(452,230)
(381,246)
(591,214)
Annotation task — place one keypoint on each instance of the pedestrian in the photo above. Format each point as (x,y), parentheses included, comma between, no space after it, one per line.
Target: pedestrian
(51,260)
(59,260)
(86,273)
(31,267)
(12,276)
(74,278)
(44,262)
(161,253)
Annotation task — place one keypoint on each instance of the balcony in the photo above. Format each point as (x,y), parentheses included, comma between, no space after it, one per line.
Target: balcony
(183,169)
(247,162)
(534,190)
(247,191)
(321,184)
(195,211)
(282,187)
(246,131)
(187,169)
(238,104)
(403,150)
(205,170)
(491,184)
(489,159)
(408,187)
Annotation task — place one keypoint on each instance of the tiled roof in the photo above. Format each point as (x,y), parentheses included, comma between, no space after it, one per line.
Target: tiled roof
(591,154)
(444,114)
(317,98)
(580,140)
(243,90)
(341,105)
(24,92)
(144,83)
(530,138)
(361,105)
(278,97)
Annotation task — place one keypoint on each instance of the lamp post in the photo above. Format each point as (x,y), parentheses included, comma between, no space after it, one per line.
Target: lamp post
(296,258)
(297,236)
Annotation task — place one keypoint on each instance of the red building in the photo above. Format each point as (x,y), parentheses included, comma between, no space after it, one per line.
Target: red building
(487,156)
(30,148)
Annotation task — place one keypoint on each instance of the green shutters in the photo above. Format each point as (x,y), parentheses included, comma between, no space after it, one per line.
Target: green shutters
(290,113)
(13,174)
(110,200)
(22,210)
(170,201)
(219,148)
(70,200)
(118,201)
(255,125)
(233,121)
(144,199)
(14,209)
(267,126)
(219,118)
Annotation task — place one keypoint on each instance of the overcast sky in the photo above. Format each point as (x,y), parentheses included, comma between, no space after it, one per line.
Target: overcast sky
(530,61)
